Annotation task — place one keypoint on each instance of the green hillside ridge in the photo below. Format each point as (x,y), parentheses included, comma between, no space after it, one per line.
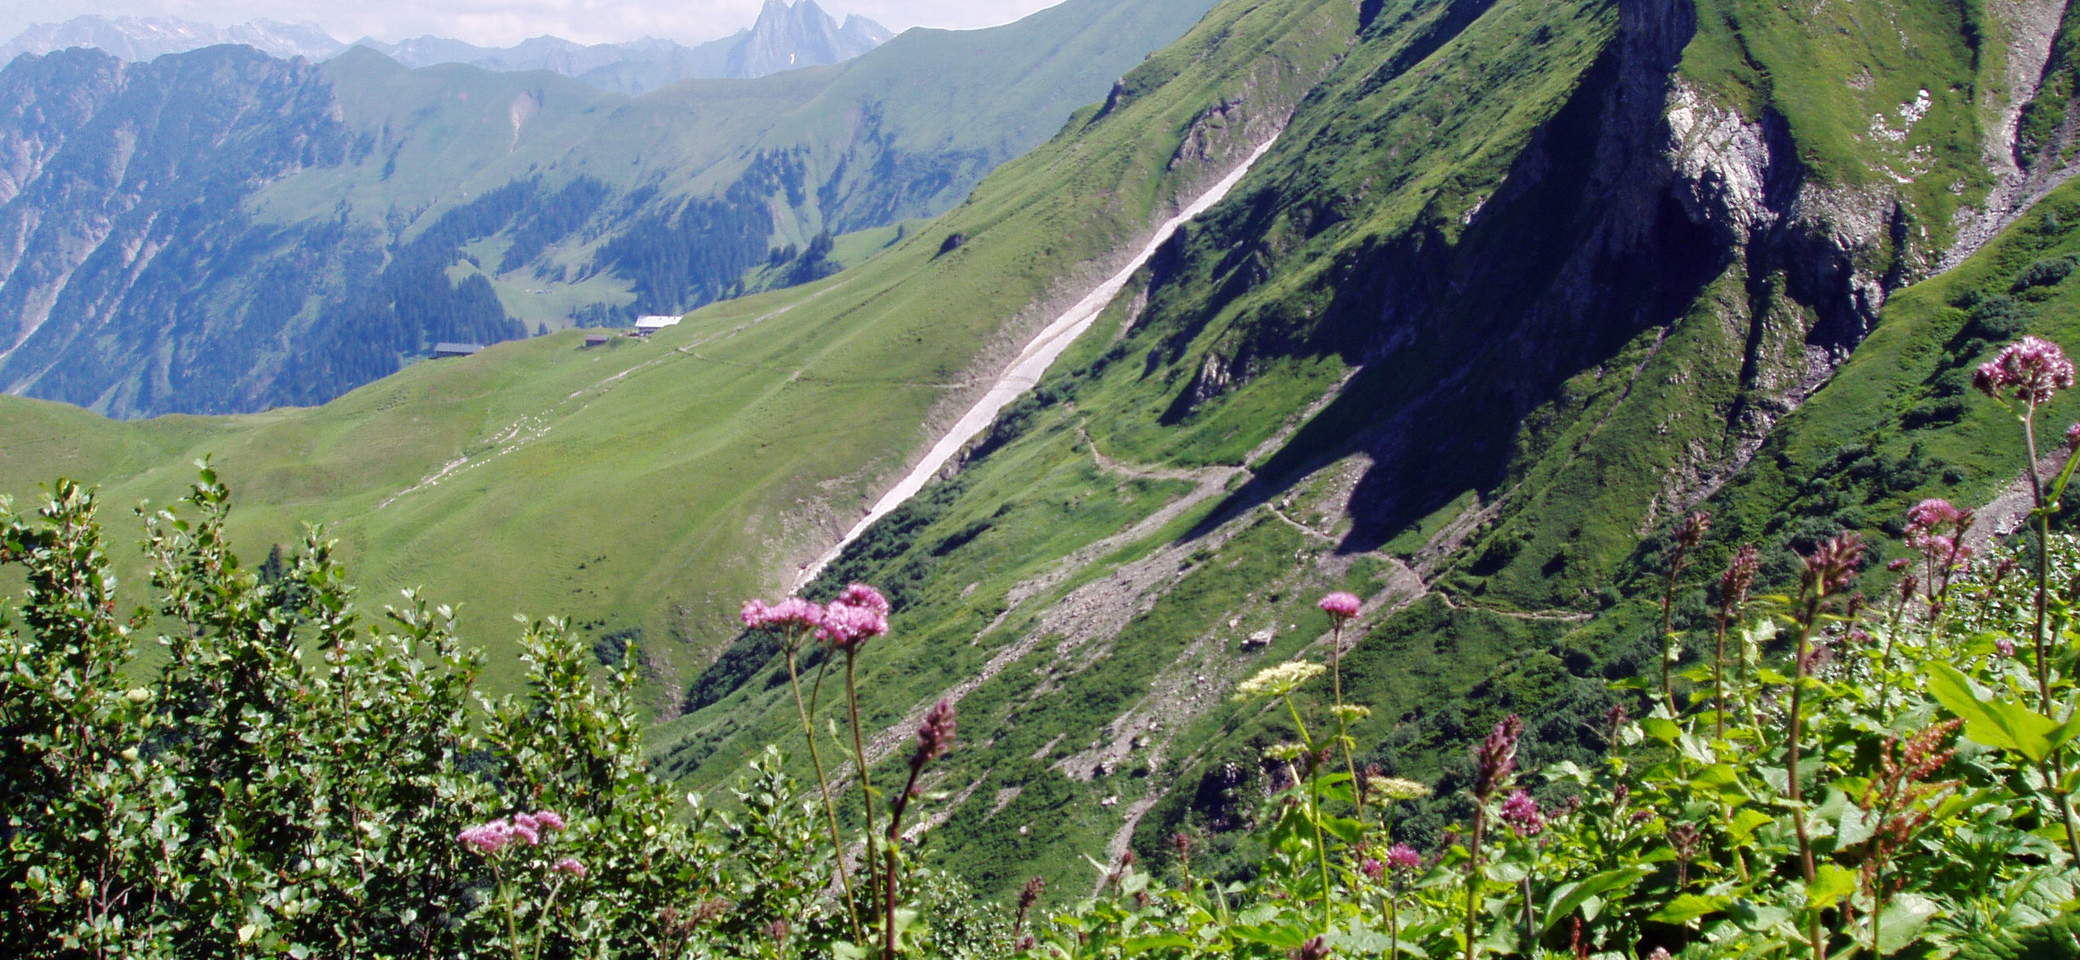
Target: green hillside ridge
(1520,283)
(393,209)
(655,484)
(1503,420)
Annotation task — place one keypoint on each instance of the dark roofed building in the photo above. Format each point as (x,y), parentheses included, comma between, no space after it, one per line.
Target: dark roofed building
(455,349)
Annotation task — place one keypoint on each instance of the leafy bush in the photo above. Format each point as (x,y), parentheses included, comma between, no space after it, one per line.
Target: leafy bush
(291,780)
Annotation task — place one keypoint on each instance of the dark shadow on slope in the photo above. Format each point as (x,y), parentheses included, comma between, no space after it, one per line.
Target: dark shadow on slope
(1581,249)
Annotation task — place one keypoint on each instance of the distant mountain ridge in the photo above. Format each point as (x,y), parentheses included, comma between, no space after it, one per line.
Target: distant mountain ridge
(785,37)
(138,39)
(220,231)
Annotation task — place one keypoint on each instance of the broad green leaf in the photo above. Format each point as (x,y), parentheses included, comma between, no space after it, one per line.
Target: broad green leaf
(1831,882)
(1360,942)
(1996,723)
(1567,897)
(1689,907)
(1903,920)
(1661,729)
(1281,936)
(1134,945)
(1746,822)
(1344,828)
(1507,871)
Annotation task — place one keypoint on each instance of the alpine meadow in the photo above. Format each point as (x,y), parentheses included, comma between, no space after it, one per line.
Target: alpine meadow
(1510,478)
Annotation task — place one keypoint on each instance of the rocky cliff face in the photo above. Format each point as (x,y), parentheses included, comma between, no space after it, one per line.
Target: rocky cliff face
(1644,204)
(119,178)
(787,37)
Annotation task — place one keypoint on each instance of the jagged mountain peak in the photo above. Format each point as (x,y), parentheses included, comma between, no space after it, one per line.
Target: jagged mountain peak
(791,35)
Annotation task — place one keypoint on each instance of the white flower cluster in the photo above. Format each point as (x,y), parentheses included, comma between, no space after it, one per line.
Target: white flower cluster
(1279,680)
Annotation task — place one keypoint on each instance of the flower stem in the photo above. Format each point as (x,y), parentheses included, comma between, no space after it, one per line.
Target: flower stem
(859,757)
(1796,733)
(1343,739)
(2036,489)
(1473,870)
(1719,679)
(1314,785)
(823,787)
(2039,635)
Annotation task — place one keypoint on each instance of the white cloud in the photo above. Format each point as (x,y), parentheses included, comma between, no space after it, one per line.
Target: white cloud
(499,22)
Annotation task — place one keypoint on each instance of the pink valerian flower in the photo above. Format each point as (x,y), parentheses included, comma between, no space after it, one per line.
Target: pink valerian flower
(1340,606)
(2030,369)
(754,614)
(569,865)
(1937,529)
(1693,529)
(858,615)
(487,838)
(1522,814)
(793,613)
(1934,523)
(1738,578)
(1832,564)
(2005,646)
(490,838)
(1932,513)
(1404,858)
(861,595)
(935,734)
(1373,869)
(1495,757)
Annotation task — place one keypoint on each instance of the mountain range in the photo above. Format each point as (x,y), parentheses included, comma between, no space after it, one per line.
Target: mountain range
(220,231)
(1503,291)
(786,36)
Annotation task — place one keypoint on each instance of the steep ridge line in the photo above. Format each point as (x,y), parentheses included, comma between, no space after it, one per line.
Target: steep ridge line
(1026,370)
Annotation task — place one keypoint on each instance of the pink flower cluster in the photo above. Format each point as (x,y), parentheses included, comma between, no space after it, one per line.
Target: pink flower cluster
(569,865)
(859,613)
(1495,757)
(1404,858)
(1935,528)
(935,734)
(2032,370)
(793,613)
(1522,814)
(1340,605)
(1833,564)
(490,838)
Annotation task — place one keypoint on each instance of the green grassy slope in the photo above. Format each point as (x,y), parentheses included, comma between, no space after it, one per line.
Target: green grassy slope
(1457,321)
(1464,337)
(656,484)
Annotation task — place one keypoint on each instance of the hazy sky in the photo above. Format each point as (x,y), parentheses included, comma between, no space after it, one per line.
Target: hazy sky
(502,22)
